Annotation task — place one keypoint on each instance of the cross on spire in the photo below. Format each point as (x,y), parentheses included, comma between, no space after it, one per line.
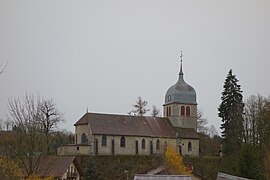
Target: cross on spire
(181,57)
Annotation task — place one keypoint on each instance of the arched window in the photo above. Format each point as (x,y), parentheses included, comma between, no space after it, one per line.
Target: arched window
(157,145)
(189,146)
(84,139)
(182,110)
(143,144)
(122,142)
(187,111)
(104,140)
(169,110)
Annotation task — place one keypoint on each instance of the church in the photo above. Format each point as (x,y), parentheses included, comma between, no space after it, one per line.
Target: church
(110,134)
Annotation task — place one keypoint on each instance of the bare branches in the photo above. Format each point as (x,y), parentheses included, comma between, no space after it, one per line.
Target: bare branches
(34,121)
(201,122)
(140,107)
(49,117)
(48,120)
(155,111)
(3,67)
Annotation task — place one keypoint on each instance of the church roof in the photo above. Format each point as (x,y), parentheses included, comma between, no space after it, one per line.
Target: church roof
(180,92)
(125,125)
(112,124)
(187,133)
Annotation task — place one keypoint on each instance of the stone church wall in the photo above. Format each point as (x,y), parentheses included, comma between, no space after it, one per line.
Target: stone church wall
(194,150)
(130,145)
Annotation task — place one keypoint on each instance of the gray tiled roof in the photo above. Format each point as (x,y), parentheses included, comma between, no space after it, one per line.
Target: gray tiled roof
(112,124)
(187,133)
(180,92)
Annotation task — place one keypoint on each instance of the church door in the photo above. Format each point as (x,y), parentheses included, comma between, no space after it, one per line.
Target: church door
(151,147)
(112,147)
(96,146)
(137,147)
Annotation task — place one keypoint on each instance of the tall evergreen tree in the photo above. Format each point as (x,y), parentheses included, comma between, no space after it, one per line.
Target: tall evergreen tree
(231,114)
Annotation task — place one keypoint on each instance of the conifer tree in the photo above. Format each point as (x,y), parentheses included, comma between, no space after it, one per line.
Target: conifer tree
(140,108)
(231,114)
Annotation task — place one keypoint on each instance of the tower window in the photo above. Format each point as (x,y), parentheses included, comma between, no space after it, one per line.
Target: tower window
(182,110)
(143,144)
(104,140)
(122,142)
(187,111)
(168,111)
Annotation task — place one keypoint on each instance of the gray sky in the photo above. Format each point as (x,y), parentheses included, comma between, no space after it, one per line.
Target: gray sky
(104,54)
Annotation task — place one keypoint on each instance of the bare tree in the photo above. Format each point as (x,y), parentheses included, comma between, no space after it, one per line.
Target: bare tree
(212,131)
(251,111)
(256,120)
(49,118)
(140,108)
(25,142)
(201,122)
(8,124)
(155,111)
(3,67)
(2,126)
(34,121)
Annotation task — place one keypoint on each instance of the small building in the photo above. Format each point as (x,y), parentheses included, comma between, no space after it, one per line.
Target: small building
(58,167)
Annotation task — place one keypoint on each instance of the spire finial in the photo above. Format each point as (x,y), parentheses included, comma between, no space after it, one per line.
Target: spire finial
(181,58)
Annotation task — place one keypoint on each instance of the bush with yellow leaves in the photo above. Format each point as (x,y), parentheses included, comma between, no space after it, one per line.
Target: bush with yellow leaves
(175,161)
(9,169)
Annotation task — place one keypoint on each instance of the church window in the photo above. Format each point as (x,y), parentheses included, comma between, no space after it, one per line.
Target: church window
(182,110)
(84,139)
(104,140)
(169,110)
(157,145)
(189,146)
(122,142)
(143,144)
(187,111)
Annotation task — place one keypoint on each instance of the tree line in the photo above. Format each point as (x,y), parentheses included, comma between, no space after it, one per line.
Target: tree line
(245,131)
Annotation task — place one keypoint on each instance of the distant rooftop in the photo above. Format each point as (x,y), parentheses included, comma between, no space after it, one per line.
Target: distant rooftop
(161,177)
(223,176)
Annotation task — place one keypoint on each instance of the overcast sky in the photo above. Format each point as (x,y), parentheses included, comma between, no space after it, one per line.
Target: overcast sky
(102,55)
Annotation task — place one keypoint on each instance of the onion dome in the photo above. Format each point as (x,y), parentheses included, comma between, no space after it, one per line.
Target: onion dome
(181,92)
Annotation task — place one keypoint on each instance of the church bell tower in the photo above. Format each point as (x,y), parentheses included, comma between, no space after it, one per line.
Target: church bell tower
(180,103)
